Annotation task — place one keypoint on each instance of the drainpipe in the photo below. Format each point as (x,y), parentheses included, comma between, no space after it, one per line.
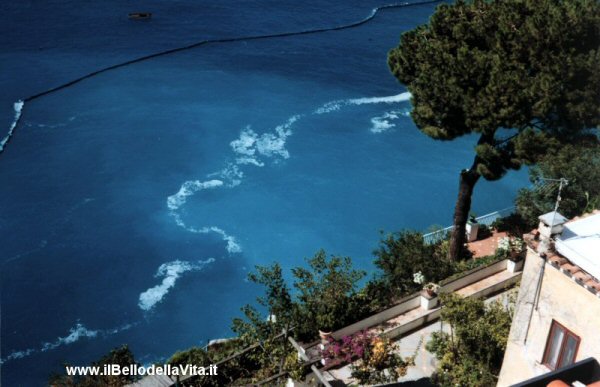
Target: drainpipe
(536,297)
(538,290)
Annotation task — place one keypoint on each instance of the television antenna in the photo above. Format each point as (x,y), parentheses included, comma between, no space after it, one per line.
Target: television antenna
(562,183)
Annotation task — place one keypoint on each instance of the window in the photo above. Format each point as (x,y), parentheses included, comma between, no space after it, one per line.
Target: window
(561,347)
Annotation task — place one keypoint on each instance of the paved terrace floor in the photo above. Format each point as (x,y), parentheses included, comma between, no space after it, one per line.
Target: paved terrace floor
(425,362)
(487,246)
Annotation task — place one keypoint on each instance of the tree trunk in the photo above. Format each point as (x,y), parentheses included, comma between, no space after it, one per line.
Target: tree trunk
(468,178)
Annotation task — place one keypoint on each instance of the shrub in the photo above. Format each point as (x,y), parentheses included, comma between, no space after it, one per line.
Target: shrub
(402,254)
(471,355)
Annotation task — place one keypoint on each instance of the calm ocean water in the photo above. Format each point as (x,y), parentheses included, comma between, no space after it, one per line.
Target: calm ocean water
(133,204)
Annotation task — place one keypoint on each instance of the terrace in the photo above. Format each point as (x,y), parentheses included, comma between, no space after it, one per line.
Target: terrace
(415,317)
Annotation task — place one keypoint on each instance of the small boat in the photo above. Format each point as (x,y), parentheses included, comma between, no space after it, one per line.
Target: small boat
(140,15)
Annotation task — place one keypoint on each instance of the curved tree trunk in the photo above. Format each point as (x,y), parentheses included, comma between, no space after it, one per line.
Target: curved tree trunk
(468,178)
(467,181)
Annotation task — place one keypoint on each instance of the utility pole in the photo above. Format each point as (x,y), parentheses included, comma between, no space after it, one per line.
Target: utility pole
(562,182)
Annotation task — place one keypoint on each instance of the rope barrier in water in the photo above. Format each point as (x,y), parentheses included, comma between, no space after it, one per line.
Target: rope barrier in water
(18,106)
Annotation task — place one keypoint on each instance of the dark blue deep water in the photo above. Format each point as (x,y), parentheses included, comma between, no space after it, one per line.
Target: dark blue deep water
(133,204)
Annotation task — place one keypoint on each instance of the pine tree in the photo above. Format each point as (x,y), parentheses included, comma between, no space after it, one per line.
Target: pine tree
(521,74)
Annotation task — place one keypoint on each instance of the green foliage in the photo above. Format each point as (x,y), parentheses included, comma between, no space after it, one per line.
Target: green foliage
(471,355)
(277,299)
(324,291)
(581,166)
(484,232)
(480,66)
(270,331)
(278,302)
(121,355)
(324,299)
(464,266)
(402,254)
(377,294)
(195,356)
(514,224)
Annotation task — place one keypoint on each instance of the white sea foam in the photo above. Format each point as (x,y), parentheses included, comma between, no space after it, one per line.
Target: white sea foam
(249,160)
(250,146)
(244,145)
(76,333)
(189,188)
(170,272)
(232,244)
(270,144)
(231,174)
(402,97)
(384,122)
(18,355)
(18,107)
(330,107)
(337,105)
(380,125)
(118,329)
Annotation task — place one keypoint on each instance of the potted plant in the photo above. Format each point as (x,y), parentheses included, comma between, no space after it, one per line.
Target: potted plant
(325,334)
(431,289)
(511,248)
(472,218)
(472,228)
(325,319)
(517,248)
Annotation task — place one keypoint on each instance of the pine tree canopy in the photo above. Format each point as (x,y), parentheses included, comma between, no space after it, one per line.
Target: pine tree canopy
(524,74)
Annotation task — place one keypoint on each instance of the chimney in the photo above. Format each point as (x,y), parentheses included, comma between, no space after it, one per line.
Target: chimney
(551,224)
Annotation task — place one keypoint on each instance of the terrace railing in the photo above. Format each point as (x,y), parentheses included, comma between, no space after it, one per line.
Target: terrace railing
(487,219)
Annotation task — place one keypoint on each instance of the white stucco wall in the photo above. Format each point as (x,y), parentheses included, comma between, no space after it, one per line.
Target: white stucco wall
(561,299)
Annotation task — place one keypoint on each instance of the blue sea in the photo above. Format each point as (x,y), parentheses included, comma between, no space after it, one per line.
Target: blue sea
(134,203)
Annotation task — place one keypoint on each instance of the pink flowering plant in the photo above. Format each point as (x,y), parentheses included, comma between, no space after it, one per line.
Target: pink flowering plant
(375,359)
(348,349)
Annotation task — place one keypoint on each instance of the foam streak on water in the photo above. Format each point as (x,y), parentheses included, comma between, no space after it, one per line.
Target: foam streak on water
(189,188)
(76,333)
(250,148)
(18,106)
(170,271)
(337,105)
(384,122)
